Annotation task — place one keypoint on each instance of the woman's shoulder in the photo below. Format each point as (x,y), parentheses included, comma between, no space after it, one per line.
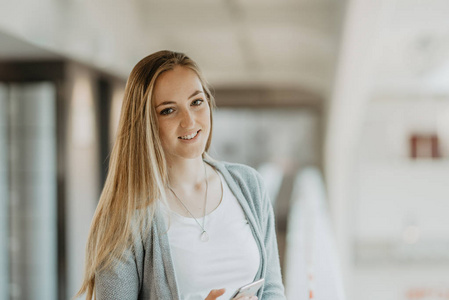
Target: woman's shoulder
(247,182)
(241,173)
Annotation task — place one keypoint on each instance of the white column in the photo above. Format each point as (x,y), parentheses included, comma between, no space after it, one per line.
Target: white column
(363,26)
(82,183)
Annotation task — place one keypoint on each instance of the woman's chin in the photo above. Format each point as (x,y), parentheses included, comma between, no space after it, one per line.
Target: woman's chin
(186,155)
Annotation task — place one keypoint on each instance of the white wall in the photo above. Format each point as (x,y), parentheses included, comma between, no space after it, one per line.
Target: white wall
(400,233)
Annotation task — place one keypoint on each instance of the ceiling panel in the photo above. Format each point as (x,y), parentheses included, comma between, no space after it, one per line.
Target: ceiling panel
(414,52)
(15,49)
(213,49)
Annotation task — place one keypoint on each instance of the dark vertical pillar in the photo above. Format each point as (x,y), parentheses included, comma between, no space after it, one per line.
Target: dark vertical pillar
(104,110)
(61,127)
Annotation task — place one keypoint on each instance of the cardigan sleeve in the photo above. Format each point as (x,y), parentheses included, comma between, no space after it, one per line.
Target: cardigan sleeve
(119,282)
(123,279)
(273,287)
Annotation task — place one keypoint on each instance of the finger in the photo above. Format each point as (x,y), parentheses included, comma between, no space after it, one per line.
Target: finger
(214,294)
(246,298)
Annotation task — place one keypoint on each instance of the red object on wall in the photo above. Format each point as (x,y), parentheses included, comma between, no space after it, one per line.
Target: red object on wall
(424,146)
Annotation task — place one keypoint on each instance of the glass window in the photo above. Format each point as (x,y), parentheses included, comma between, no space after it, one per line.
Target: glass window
(28,157)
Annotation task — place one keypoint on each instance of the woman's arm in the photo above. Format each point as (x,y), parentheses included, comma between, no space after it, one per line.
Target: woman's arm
(122,280)
(119,282)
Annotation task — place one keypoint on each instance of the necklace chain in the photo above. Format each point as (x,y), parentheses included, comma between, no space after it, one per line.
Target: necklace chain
(204,236)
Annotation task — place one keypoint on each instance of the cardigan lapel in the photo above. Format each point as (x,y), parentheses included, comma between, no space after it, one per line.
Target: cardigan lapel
(162,236)
(236,190)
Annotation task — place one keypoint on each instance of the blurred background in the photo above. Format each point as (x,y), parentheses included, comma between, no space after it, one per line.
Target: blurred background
(342,106)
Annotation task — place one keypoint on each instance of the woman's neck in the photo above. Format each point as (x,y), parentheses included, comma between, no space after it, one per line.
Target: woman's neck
(185,174)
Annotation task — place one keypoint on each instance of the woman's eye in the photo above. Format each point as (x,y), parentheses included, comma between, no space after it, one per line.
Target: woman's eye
(197,102)
(166,111)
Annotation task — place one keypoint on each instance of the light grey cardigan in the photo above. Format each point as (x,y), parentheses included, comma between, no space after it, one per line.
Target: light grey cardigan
(148,273)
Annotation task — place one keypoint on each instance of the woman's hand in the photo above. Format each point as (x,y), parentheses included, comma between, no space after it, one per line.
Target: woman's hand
(214,294)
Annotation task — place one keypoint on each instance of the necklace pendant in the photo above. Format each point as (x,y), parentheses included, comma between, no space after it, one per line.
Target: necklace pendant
(204,236)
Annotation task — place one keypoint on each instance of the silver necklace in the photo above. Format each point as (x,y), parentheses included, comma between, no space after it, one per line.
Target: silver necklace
(204,237)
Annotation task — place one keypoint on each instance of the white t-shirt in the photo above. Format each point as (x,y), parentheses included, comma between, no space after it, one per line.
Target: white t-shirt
(230,259)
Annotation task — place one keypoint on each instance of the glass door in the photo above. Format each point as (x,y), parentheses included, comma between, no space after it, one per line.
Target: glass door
(28,225)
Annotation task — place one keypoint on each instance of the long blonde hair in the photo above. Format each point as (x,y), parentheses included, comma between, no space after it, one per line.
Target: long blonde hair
(137,170)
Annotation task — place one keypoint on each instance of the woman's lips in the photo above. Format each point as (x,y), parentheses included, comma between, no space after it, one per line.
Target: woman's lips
(190,137)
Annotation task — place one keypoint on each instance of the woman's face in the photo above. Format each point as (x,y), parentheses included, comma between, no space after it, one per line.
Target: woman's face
(183,113)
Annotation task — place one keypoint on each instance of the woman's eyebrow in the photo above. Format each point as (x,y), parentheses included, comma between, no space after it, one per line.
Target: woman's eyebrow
(165,103)
(196,93)
(172,102)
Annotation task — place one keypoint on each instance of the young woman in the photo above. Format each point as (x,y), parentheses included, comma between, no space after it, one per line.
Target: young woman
(172,223)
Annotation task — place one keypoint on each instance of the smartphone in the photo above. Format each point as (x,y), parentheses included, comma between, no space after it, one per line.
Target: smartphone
(249,289)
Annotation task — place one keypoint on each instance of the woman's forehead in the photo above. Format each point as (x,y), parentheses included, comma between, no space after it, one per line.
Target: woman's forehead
(176,84)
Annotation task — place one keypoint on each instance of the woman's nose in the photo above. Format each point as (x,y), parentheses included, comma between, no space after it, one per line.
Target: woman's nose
(187,120)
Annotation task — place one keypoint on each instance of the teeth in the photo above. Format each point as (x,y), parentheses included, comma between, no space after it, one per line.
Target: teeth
(189,137)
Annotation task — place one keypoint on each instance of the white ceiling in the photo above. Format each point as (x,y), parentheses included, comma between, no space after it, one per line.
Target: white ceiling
(283,43)
(289,43)
(413,54)
(17,49)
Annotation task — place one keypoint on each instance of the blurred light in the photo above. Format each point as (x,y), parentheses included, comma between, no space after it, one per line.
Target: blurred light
(83,118)
(411,234)
(117,99)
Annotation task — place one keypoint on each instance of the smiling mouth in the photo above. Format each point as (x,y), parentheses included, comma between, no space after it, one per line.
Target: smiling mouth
(190,136)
